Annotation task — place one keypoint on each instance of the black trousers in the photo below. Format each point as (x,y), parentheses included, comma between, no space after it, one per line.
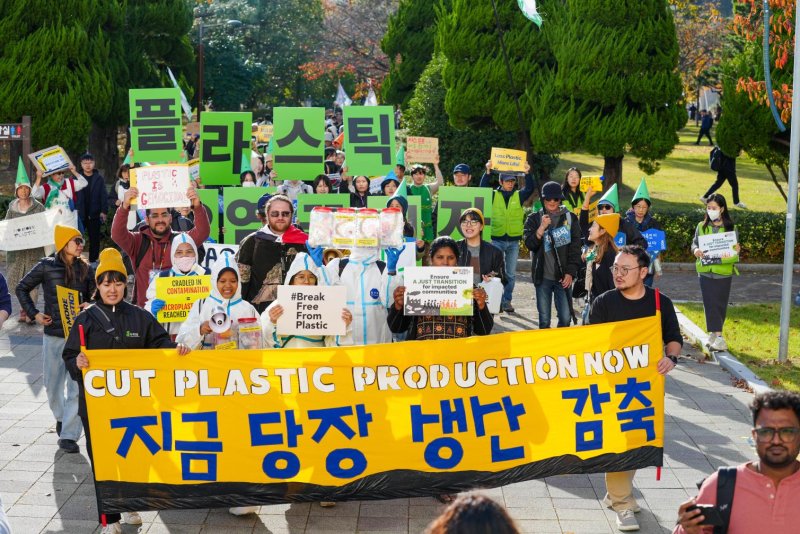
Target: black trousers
(707,133)
(92,225)
(732,179)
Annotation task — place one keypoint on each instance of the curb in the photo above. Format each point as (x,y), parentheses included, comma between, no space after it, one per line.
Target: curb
(727,360)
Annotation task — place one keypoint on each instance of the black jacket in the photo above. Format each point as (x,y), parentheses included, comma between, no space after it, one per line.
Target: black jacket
(568,254)
(49,272)
(491,259)
(133,327)
(93,199)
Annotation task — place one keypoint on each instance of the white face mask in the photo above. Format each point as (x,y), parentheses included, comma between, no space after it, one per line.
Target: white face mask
(248,184)
(185,264)
(713,214)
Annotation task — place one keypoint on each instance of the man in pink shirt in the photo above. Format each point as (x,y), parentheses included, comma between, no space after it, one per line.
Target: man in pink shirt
(767,491)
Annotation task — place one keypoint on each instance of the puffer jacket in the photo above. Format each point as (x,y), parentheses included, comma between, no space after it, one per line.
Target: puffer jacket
(49,272)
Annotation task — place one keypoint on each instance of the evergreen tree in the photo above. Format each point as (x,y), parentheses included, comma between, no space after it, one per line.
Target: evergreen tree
(615,86)
(54,66)
(409,44)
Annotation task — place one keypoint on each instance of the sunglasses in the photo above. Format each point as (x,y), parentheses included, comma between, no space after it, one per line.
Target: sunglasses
(277,214)
(78,241)
(605,207)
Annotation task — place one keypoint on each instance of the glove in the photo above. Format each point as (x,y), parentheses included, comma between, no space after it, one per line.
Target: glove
(392,255)
(315,253)
(157,305)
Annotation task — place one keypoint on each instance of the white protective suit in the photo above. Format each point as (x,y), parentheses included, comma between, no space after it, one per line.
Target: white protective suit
(369,294)
(203,309)
(302,262)
(196,270)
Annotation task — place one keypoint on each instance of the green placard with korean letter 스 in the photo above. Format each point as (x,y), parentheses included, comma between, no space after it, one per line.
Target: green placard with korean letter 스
(297,142)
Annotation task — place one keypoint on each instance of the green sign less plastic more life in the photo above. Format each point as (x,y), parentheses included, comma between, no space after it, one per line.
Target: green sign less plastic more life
(297,143)
(224,144)
(155,116)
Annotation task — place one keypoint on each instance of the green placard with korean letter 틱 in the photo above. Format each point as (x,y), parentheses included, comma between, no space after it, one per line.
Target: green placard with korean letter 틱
(369,140)
(298,143)
(155,116)
(224,144)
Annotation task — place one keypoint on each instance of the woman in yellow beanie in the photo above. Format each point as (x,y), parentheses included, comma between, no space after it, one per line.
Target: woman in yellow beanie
(600,257)
(112,323)
(69,270)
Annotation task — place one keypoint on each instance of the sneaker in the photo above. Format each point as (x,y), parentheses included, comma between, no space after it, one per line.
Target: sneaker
(741,205)
(58,428)
(113,528)
(626,521)
(508,308)
(607,503)
(327,504)
(719,344)
(703,199)
(711,338)
(68,446)
(131,518)
(243,510)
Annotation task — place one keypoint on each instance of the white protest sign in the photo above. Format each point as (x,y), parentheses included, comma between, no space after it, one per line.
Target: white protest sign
(50,160)
(161,186)
(215,250)
(312,310)
(30,231)
(438,291)
(715,247)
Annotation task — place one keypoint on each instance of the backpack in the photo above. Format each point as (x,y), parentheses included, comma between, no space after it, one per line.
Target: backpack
(726,485)
(715,159)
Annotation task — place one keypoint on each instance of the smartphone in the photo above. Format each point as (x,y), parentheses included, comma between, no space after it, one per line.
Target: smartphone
(710,514)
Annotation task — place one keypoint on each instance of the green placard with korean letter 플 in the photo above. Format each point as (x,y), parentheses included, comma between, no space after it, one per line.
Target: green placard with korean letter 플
(452,203)
(224,143)
(369,140)
(155,116)
(298,143)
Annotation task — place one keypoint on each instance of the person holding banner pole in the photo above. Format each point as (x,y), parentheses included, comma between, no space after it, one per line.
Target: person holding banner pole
(631,299)
(67,269)
(110,323)
(715,274)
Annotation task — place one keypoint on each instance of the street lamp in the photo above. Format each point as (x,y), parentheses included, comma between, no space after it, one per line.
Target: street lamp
(201,56)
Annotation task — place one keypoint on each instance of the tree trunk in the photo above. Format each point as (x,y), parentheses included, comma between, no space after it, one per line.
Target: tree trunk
(103,146)
(612,171)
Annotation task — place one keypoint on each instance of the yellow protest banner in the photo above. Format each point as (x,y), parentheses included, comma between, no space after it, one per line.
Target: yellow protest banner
(591,181)
(68,307)
(370,422)
(179,293)
(508,160)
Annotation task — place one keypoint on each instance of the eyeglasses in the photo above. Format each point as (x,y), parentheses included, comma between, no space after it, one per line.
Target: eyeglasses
(276,214)
(603,207)
(765,434)
(470,222)
(78,241)
(619,269)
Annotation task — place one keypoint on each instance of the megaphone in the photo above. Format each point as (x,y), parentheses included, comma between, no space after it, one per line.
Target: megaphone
(220,321)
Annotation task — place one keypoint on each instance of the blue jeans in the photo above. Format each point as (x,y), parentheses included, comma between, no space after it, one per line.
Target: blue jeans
(544,301)
(63,404)
(511,252)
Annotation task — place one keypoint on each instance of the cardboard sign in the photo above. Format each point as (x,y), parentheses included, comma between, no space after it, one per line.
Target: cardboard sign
(68,307)
(240,206)
(215,250)
(656,240)
(312,310)
(298,143)
(438,291)
(50,160)
(422,149)
(595,182)
(265,132)
(369,138)
(225,143)
(30,231)
(508,160)
(161,186)
(306,202)
(179,293)
(155,116)
(716,247)
(452,203)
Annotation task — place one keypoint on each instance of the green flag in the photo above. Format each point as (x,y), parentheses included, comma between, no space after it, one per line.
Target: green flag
(528,8)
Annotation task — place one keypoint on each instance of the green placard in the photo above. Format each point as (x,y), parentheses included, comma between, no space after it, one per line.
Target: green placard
(209,198)
(155,116)
(298,147)
(224,143)
(454,200)
(414,210)
(240,205)
(369,140)
(306,202)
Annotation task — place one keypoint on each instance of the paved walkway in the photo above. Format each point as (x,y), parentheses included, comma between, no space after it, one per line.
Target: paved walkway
(44,490)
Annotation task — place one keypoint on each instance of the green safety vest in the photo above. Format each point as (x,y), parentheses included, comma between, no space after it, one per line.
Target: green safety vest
(728,265)
(507,220)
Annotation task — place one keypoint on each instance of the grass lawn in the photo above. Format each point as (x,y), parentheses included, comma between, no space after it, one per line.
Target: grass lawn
(752,332)
(684,176)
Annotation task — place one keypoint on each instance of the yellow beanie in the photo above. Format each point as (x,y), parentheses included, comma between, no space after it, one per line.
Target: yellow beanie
(609,222)
(63,234)
(110,260)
